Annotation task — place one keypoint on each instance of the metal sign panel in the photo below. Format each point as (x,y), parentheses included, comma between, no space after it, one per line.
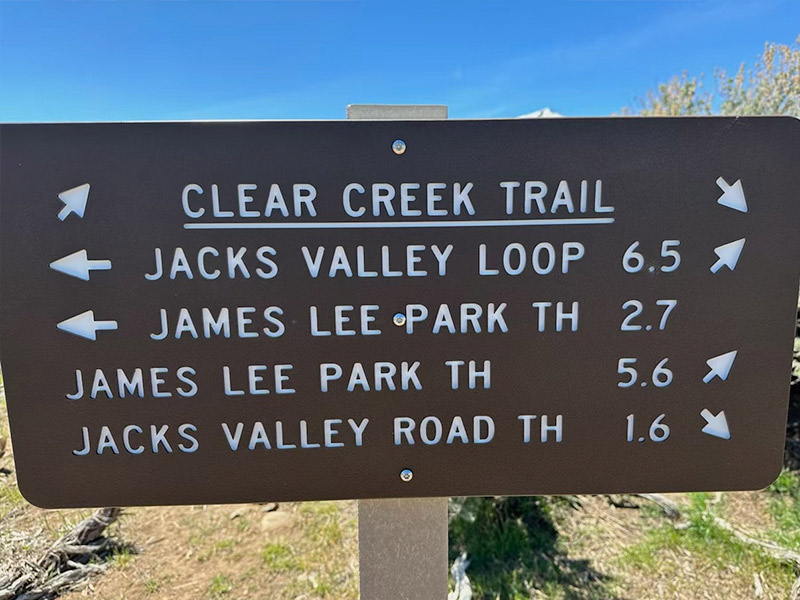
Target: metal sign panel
(243,311)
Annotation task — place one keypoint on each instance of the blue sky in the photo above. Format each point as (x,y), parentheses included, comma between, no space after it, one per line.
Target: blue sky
(82,60)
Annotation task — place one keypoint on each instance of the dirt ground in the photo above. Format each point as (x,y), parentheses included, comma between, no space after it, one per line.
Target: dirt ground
(304,551)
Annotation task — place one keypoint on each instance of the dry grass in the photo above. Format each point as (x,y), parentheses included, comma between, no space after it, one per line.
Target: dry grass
(647,558)
(298,551)
(25,531)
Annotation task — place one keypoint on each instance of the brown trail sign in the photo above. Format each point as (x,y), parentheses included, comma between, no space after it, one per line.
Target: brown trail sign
(234,312)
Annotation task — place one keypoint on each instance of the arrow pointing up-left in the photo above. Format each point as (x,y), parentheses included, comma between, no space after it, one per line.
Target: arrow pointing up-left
(84,325)
(74,201)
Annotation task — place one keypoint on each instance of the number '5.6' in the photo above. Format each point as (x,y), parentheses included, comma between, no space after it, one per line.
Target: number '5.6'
(660,377)
(633,261)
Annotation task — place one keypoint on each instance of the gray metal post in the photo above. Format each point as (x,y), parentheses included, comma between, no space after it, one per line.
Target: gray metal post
(402,543)
(402,549)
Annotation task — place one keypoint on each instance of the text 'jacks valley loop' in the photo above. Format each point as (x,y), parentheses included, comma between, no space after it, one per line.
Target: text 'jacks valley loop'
(415,260)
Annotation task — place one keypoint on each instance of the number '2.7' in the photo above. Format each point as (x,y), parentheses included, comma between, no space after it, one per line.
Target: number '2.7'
(636,308)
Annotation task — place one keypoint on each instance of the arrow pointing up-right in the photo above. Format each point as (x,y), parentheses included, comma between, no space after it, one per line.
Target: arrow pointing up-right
(720,366)
(74,201)
(728,255)
(732,195)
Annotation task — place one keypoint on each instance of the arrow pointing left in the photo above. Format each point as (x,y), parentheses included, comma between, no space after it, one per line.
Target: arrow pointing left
(78,265)
(84,325)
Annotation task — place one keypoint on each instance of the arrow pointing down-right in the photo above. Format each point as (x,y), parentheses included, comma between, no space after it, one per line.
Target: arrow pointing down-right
(732,195)
(716,425)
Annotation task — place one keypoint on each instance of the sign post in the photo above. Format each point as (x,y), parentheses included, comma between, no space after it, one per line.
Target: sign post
(196,313)
(402,543)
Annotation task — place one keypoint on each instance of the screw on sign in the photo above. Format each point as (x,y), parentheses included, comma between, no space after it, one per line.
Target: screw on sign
(329,322)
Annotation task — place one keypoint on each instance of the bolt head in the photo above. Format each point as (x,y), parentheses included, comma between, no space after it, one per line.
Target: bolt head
(398,146)
(406,475)
(399,319)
